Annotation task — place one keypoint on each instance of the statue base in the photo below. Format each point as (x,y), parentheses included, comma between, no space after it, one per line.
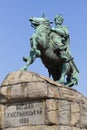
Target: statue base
(32,102)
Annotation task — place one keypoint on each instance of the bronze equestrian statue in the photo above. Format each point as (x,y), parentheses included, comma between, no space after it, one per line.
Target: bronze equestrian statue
(52,46)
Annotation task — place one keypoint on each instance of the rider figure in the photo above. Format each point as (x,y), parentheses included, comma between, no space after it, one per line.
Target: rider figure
(62,39)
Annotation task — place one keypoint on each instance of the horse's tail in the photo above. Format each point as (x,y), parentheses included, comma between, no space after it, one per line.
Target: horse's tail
(75,66)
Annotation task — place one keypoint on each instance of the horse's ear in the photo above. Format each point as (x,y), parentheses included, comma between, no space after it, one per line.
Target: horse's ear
(43,15)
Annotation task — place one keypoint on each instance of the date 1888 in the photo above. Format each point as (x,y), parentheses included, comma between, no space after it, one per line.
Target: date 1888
(24,120)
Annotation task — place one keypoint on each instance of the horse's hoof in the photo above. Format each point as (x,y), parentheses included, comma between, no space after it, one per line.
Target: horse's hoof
(25,59)
(23,69)
(70,84)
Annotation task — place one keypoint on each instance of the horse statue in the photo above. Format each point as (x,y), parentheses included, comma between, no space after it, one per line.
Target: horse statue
(43,47)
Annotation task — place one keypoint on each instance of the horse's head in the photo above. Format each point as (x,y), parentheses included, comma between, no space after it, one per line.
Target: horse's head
(36,21)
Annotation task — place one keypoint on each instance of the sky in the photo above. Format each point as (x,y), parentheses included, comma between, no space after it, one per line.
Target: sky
(16,30)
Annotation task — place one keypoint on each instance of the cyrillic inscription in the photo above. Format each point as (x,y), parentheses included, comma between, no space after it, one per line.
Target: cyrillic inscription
(26,113)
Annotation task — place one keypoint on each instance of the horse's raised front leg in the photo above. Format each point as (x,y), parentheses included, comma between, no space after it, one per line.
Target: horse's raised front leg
(30,59)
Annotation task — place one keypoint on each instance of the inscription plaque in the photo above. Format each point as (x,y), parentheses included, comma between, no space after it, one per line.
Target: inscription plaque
(25,113)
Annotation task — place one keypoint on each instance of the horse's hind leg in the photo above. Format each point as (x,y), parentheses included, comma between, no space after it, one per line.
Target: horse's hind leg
(63,74)
(73,80)
(73,76)
(62,79)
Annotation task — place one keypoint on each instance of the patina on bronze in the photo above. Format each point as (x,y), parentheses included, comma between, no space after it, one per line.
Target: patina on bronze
(51,44)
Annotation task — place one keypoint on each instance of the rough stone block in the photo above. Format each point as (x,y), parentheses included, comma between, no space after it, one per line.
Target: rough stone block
(52,117)
(37,90)
(51,105)
(75,128)
(9,129)
(83,121)
(64,117)
(6,92)
(1,116)
(75,107)
(65,127)
(64,105)
(54,127)
(53,92)
(75,118)
(68,94)
(84,108)
(39,127)
(16,91)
